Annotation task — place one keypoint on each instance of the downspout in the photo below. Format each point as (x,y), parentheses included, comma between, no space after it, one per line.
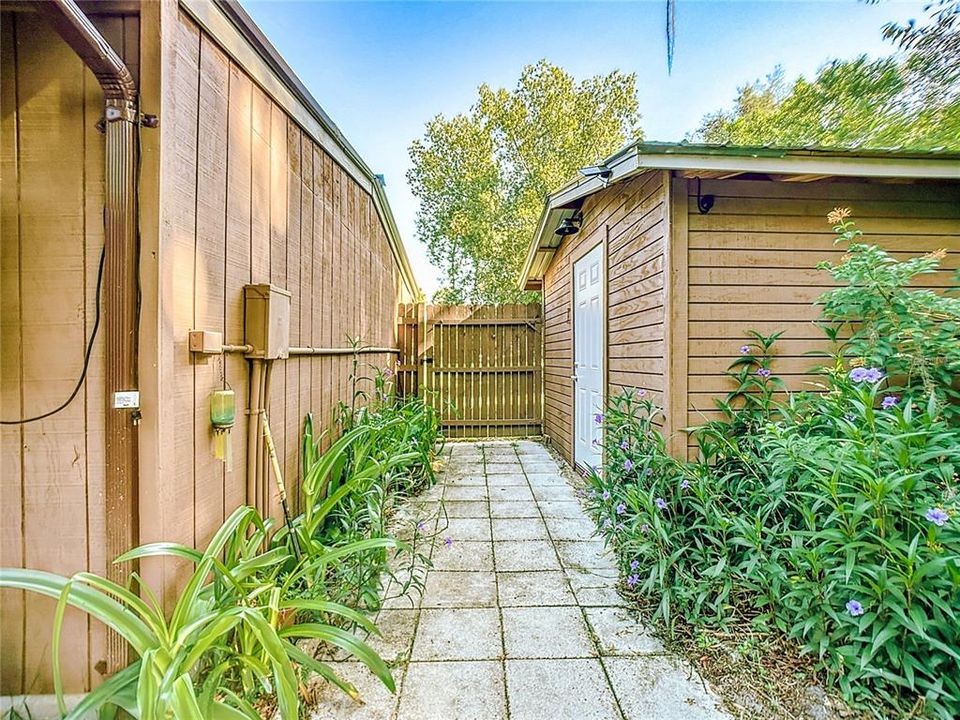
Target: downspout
(121,294)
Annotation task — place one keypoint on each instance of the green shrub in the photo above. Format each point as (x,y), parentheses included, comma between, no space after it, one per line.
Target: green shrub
(231,634)
(231,639)
(831,515)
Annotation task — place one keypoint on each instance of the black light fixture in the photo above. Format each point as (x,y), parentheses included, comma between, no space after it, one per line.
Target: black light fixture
(704,202)
(568,226)
(600,171)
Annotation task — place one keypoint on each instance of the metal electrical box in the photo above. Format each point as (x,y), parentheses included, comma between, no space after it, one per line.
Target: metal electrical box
(267,321)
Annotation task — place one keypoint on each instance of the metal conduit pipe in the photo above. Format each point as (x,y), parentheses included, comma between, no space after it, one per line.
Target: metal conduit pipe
(342,351)
(263,458)
(120,285)
(253,420)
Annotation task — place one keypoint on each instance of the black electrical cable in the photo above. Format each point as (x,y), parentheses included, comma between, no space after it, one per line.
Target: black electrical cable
(86,357)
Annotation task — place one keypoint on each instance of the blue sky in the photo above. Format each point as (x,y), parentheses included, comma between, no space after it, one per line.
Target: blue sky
(381,70)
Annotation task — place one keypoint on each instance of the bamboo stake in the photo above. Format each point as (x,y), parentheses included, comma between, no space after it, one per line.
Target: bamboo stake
(281,488)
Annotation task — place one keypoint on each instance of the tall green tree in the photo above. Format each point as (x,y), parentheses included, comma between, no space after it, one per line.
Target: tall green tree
(482,176)
(910,99)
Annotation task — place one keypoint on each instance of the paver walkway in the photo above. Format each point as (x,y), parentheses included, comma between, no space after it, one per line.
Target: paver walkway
(520,617)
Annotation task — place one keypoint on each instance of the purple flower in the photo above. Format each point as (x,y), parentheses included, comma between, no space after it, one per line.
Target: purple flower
(628,464)
(937,516)
(388,373)
(634,564)
(632,580)
(763,372)
(644,528)
(606,495)
(874,375)
(624,444)
(862,374)
(597,418)
(858,374)
(889,401)
(660,503)
(649,472)
(448,541)
(621,509)
(849,417)
(854,608)
(593,493)
(744,349)
(421,526)
(685,484)
(641,392)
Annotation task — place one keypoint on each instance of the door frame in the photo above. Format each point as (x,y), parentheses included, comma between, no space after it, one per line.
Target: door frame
(575,257)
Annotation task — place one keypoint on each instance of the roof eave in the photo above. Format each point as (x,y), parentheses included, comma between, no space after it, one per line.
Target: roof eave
(643,157)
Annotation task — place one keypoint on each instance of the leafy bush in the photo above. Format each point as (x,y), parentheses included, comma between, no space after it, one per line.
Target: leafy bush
(830,515)
(256,590)
(230,635)
(913,334)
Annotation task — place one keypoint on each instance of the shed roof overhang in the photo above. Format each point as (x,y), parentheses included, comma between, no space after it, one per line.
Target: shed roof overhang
(236,32)
(727,161)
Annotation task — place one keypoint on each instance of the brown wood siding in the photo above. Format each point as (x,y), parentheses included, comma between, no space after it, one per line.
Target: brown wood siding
(255,199)
(752,265)
(631,218)
(245,196)
(52,475)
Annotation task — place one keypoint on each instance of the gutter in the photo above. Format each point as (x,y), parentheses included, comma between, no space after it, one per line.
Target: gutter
(120,287)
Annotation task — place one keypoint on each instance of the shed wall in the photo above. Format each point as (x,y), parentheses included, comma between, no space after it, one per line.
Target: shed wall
(752,265)
(631,218)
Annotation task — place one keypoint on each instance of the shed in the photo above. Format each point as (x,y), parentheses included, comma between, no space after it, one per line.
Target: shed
(673,251)
(173,135)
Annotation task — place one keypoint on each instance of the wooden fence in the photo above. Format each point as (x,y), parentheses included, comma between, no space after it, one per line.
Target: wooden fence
(480,366)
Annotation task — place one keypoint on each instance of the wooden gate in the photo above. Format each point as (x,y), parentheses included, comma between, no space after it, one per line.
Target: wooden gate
(480,366)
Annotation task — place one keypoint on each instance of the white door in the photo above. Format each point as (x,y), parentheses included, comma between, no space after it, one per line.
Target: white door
(588,356)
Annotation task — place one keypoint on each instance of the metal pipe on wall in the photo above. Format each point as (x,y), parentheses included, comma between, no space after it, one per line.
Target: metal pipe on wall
(262,457)
(253,420)
(120,284)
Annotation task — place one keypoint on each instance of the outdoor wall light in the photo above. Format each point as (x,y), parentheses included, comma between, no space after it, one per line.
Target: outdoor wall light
(600,171)
(568,226)
(704,202)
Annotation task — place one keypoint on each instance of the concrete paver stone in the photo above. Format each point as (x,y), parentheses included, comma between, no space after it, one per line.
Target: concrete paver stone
(520,617)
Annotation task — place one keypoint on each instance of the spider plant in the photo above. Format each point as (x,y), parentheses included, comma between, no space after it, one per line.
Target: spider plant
(232,631)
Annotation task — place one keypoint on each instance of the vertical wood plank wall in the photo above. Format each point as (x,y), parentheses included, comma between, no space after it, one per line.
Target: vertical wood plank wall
(256,200)
(52,474)
(631,218)
(247,197)
(752,265)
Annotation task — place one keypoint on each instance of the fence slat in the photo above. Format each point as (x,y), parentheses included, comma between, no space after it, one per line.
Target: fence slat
(479,366)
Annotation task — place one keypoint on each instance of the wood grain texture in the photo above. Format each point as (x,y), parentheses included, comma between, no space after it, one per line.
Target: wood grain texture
(238,193)
(752,265)
(479,366)
(631,218)
(52,480)
(269,205)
